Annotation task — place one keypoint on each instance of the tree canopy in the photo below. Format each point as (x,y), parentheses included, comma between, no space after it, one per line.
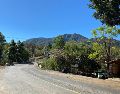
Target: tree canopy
(2,43)
(58,42)
(107,11)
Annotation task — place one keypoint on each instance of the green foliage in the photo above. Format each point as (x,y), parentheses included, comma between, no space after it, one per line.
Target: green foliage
(32,49)
(12,56)
(104,49)
(107,11)
(2,43)
(72,48)
(89,56)
(115,53)
(106,32)
(58,42)
(50,64)
(72,53)
(77,53)
(2,39)
(22,53)
(46,50)
(98,52)
(59,56)
(75,49)
(39,52)
(17,52)
(93,55)
(5,54)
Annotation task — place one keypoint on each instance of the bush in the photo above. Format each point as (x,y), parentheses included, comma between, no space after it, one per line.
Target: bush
(3,61)
(50,64)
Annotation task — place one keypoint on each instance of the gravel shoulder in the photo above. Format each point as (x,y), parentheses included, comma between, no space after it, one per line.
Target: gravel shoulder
(2,68)
(113,83)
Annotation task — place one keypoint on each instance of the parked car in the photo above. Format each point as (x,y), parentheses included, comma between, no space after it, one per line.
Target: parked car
(103,75)
(100,74)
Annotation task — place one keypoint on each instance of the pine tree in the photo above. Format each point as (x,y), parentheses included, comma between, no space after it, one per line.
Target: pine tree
(2,42)
(22,53)
(12,53)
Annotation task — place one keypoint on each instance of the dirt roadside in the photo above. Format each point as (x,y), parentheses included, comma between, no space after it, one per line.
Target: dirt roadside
(107,83)
(2,68)
(2,91)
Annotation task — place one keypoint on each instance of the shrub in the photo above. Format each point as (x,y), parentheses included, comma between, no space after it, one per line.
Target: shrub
(50,64)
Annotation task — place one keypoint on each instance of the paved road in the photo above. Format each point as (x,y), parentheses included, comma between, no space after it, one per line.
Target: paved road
(27,79)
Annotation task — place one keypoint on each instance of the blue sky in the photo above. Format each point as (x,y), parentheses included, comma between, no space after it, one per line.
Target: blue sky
(24,19)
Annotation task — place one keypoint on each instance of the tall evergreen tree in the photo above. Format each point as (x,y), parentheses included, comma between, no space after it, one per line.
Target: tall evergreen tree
(12,53)
(2,42)
(22,53)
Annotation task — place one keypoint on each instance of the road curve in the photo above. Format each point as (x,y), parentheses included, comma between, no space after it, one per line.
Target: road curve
(27,79)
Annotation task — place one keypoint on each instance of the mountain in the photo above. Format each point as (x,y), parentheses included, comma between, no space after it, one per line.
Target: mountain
(45,41)
(75,37)
(67,37)
(39,41)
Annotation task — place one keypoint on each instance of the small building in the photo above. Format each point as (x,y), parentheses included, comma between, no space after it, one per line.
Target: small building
(114,68)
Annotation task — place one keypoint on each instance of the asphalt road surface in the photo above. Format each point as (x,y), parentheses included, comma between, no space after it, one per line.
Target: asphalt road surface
(27,79)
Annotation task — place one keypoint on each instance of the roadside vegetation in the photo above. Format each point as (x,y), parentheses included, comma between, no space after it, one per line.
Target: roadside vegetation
(92,55)
(75,56)
(12,52)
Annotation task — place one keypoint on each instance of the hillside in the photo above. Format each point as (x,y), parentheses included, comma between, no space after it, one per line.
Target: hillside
(67,37)
(46,41)
(39,41)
